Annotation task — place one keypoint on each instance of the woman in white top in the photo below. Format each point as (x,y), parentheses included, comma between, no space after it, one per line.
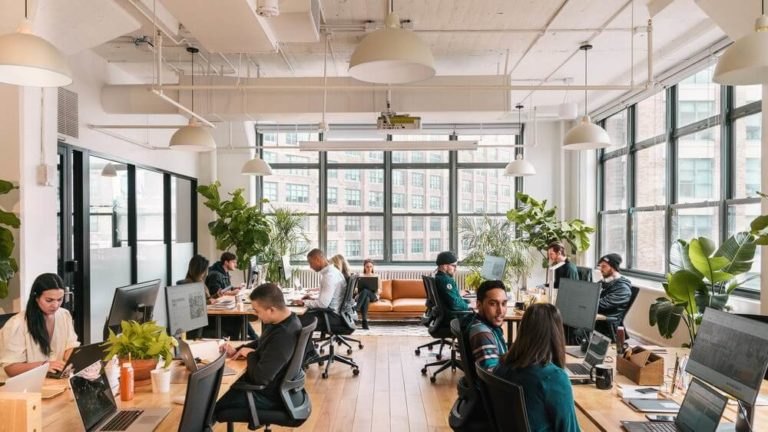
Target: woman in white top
(43,333)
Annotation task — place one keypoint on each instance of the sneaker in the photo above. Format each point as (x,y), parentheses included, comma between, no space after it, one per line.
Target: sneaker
(365,325)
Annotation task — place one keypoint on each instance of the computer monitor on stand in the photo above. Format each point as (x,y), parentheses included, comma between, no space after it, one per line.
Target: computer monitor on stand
(578,303)
(731,353)
(186,307)
(253,273)
(132,303)
(286,271)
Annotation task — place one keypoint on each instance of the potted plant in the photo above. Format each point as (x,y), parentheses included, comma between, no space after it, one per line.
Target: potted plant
(8,221)
(286,237)
(145,343)
(759,227)
(238,225)
(539,226)
(494,237)
(702,276)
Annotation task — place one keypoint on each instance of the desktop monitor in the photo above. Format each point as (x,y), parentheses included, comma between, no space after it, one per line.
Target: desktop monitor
(286,261)
(730,353)
(186,308)
(253,270)
(493,268)
(132,302)
(577,301)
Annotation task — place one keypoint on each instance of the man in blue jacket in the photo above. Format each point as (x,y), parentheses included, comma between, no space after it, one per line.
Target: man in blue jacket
(446,285)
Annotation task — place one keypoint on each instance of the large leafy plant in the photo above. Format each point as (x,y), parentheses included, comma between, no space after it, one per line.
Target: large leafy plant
(8,221)
(702,276)
(142,341)
(495,237)
(286,237)
(540,226)
(759,227)
(238,225)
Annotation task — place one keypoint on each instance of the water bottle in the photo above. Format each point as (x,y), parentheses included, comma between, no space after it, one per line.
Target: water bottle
(126,382)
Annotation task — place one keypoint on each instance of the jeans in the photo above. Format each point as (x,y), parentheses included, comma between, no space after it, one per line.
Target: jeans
(364,298)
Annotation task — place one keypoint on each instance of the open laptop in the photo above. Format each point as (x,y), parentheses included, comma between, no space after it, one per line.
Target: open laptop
(32,381)
(701,411)
(185,352)
(370,283)
(97,407)
(81,357)
(598,347)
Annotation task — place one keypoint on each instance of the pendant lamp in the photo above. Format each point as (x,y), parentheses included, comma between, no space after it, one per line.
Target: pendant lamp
(192,137)
(519,167)
(109,170)
(257,167)
(586,135)
(29,60)
(392,55)
(746,61)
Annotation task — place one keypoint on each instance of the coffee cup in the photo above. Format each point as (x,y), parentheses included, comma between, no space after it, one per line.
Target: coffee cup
(602,376)
(161,380)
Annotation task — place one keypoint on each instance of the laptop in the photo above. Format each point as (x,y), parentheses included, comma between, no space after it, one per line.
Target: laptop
(185,352)
(97,407)
(81,357)
(598,347)
(700,412)
(370,283)
(30,381)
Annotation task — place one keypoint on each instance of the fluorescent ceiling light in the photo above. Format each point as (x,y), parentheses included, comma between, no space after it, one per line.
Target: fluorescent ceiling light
(29,60)
(257,167)
(392,55)
(746,61)
(519,168)
(386,145)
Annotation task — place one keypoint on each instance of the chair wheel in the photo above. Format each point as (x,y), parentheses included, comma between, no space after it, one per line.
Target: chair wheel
(360,346)
(424,371)
(324,375)
(433,379)
(439,356)
(417,352)
(355,372)
(349,351)
(322,350)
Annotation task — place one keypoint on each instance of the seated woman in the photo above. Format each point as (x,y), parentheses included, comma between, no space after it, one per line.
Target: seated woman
(43,333)
(340,263)
(364,296)
(197,270)
(536,363)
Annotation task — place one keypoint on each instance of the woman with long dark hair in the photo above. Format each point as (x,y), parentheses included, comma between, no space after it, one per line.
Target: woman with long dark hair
(43,333)
(197,270)
(535,362)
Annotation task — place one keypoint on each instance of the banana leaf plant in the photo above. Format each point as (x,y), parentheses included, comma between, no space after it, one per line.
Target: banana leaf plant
(702,276)
(759,227)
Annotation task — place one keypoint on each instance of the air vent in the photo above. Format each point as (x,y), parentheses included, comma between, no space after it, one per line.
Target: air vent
(69,118)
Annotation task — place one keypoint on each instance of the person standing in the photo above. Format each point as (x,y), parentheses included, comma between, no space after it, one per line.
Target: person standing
(566,269)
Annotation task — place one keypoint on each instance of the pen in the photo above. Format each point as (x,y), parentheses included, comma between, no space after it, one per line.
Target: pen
(674,374)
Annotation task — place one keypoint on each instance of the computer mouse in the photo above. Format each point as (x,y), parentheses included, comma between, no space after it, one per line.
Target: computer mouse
(178,400)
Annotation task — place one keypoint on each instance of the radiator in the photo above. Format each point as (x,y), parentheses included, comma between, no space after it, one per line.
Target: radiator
(309,278)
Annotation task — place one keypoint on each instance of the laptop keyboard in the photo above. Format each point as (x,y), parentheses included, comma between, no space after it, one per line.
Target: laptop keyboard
(660,427)
(122,421)
(577,368)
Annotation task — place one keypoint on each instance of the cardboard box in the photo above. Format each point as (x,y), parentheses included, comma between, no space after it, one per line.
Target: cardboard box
(650,372)
(21,412)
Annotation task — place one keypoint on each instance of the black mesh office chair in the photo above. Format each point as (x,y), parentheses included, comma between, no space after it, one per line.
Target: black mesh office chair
(333,327)
(614,323)
(202,393)
(296,402)
(441,329)
(468,413)
(426,321)
(5,317)
(507,403)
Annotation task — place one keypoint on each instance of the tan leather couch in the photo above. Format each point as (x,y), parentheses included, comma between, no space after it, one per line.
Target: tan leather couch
(399,298)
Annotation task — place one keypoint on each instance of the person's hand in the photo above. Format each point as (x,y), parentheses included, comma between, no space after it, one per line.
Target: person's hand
(232,292)
(306,297)
(243,353)
(56,366)
(298,302)
(227,348)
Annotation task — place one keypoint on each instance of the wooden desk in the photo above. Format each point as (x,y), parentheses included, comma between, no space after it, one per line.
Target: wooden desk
(513,318)
(245,311)
(60,412)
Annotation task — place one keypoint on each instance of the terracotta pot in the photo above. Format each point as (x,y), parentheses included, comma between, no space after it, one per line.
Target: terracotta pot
(141,368)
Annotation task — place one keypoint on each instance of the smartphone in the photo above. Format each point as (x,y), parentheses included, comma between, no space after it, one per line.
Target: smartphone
(660,417)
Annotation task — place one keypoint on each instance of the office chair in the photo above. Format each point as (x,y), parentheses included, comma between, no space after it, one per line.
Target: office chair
(614,323)
(507,403)
(5,317)
(202,393)
(468,413)
(427,319)
(333,327)
(585,273)
(296,402)
(440,329)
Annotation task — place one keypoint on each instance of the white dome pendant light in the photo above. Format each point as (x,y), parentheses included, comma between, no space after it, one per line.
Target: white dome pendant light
(519,167)
(746,61)
(193,137)
(29,60)
(586,135)
(392,55)
(257,167)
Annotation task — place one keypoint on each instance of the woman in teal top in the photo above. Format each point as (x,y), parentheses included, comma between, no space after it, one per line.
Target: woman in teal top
(536,362)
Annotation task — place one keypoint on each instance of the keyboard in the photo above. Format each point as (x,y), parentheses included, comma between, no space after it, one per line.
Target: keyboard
(577,368)
(122,421)
(660,427)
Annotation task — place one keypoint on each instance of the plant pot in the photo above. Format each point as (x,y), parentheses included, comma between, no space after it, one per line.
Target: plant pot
(142,369)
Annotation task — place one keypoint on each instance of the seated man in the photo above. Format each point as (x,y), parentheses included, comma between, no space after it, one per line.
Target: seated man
(267,357)
(615,294)
(446,286)
(486,339)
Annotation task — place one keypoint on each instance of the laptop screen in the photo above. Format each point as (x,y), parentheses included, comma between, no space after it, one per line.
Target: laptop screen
(93,395)
(598,346)
(701,409)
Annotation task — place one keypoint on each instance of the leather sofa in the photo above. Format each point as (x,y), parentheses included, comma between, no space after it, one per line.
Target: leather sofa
(400,298)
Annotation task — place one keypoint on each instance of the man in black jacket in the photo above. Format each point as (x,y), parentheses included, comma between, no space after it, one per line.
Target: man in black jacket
(269,356)
(218,281)
(615,293)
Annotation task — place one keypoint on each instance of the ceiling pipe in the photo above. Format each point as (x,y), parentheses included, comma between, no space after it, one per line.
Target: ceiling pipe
(357,28)
(424,87)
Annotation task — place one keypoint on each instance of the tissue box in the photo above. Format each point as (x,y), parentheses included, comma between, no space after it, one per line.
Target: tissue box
(649,373)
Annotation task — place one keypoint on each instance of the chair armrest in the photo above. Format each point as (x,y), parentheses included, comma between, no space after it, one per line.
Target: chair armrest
(247,387)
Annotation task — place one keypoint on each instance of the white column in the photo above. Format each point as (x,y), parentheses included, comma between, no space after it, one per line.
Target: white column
(764,170)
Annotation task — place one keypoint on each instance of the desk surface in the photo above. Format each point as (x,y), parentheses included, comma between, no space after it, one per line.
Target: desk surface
(245,309)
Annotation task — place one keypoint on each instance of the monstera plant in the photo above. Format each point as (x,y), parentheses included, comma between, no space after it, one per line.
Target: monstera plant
(702,276)
(8,221)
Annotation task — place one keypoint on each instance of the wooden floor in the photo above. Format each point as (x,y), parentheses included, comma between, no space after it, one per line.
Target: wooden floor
(390,394)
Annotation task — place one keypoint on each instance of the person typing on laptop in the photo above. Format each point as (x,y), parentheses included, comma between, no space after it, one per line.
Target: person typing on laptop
(269,356)
(366,296)
(42,334)
(535,362)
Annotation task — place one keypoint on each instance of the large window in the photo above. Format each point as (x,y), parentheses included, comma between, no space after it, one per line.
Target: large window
(686,171)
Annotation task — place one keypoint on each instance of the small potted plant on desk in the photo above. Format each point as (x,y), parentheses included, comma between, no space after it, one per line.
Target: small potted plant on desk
(145,343)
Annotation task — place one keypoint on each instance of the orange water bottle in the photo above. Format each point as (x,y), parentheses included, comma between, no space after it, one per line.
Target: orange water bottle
(126,381)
